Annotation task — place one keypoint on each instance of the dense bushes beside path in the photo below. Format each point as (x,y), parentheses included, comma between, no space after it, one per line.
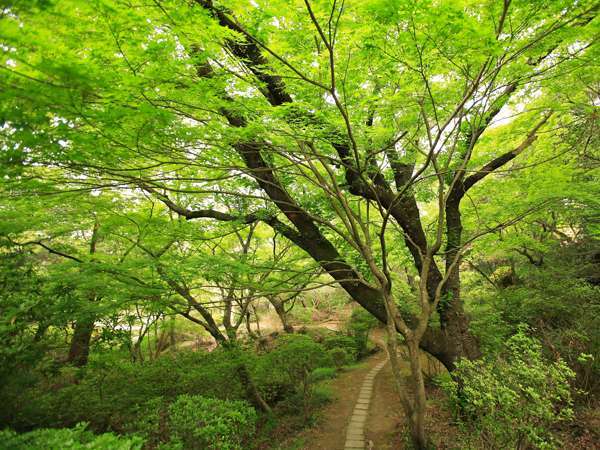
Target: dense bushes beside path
(176,396)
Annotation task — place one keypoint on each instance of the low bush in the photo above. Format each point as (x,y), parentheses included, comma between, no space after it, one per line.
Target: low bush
(114,394)
(108,392)
(322,373)
(294,358)
(347,344)
(205,423)
(340,357)
(513,400)
(359,325)
(77,438)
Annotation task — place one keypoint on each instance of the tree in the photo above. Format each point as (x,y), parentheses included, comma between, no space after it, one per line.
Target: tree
(356,141)
(72,254)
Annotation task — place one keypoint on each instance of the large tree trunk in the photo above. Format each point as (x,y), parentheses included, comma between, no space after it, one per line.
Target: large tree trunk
(404,209)
(419,406)
(454,322)
(80,343)
(279,307)
(310,238)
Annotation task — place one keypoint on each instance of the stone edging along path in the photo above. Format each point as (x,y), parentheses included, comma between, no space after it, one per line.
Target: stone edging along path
(355,433)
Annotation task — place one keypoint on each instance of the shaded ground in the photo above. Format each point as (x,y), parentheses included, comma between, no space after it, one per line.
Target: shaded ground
(330,431)
(386,419)
(386,426)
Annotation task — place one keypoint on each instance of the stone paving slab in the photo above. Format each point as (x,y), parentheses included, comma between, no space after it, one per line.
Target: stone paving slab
(355,433)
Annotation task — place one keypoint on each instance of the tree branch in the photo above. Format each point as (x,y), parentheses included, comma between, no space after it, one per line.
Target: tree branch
(504,158)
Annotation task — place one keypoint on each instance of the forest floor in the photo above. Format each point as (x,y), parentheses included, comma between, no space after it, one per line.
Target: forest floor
(329,433)
(384,417)
(385,427)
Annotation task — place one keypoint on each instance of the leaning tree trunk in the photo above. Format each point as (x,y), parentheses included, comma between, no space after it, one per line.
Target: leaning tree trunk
(252,392)
(279,307)
(84,327)
(80,343)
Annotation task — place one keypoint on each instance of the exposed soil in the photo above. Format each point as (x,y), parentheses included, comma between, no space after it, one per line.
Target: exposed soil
(330,431)
(383,429)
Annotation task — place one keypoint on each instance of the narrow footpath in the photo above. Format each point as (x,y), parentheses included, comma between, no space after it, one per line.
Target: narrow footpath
(330,431)
(355,432)
(364,413)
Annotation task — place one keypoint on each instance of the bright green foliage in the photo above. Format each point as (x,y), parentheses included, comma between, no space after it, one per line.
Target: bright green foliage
(77,438)
(177,126)
(22,308)
(322,373)
(339,341)
(296,357)
(109,393)
(513,400)
(205,423)
(359,325)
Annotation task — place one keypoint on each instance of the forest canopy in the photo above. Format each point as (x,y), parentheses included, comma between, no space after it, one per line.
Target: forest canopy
(176,168)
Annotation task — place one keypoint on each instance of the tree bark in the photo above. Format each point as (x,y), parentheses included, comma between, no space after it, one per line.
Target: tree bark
(80,343)
(453,320)
(84,327)
(419,406)
(281,313)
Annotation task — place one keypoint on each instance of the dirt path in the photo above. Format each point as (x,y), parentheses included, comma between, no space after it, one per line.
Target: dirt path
(355,431)
(384,416)
(385,422)
(330,432)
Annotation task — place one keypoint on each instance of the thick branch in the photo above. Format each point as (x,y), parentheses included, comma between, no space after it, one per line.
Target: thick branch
(249,52)
(504,158)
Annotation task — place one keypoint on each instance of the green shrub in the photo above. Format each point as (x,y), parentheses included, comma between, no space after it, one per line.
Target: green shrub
(114,394)
(512,401)
(359,325)
(77,438)
(108,392)
(340,357)
(562,308)
(296,357)
(322,373)
(206,423)
(150,420)
(343,342)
